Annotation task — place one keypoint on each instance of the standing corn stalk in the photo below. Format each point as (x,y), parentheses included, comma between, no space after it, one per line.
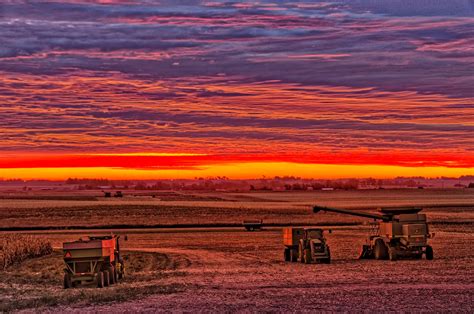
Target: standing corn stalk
(15,248)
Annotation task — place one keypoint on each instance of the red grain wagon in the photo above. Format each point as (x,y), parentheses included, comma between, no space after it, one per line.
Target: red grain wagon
(93,259)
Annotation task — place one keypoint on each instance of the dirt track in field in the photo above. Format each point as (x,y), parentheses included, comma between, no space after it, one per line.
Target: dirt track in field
(229,270)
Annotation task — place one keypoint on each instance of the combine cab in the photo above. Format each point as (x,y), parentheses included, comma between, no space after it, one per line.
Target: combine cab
(93,259)
(397,233)
(308,245)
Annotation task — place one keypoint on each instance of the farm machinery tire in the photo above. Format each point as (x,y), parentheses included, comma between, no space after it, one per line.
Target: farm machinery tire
(429,253)
(287,255)
(106,278)
(112,275)
(366,252)
(307,256)
(381,250)
(293,255)
(327,260)
(100,279)
(121,272)
(392,254)
(301,252)
(67,281)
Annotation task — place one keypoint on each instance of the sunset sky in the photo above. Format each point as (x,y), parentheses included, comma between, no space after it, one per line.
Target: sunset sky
(181,89)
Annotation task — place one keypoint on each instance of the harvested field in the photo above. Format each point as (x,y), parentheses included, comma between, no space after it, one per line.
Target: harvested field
(233,270)
(275,208)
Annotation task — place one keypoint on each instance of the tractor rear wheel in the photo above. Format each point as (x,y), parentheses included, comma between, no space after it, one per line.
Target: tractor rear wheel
(67,281)
(307,256)
(287,255)
(327,260)
(100,279)
(381,250)
(429,253)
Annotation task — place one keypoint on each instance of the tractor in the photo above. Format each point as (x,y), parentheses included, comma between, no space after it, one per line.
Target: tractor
(308,245)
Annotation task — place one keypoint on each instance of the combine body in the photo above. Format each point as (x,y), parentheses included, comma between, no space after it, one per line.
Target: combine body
(397,232)
(93,259)
(308,245)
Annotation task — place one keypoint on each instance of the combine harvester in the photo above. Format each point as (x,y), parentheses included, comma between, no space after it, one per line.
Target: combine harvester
(398,232)
(93,259)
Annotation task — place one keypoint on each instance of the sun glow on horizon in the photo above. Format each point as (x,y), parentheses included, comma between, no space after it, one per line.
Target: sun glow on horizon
(250,170)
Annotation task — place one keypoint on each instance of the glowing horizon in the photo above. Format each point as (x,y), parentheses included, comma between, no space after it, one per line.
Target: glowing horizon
(188,166)
(238,171)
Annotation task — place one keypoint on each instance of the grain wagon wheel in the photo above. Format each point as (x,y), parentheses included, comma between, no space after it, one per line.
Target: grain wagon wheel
(121,273)
(112,275)
(116,279)
(100,279)
(106,278)
(67,281)
(286,255)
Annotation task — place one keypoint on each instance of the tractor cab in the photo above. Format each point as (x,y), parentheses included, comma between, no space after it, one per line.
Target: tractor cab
(313,233)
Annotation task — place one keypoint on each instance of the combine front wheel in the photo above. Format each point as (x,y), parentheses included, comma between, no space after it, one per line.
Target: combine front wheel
(392,253)
(381,250)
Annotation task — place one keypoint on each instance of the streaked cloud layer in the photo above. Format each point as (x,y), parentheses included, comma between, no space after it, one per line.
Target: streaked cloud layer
(346,82)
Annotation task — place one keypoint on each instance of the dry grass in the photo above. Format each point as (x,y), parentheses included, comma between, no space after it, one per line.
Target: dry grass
(15,248)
